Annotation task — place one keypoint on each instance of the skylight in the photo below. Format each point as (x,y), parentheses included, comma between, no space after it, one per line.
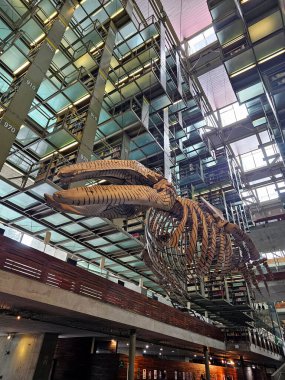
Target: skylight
(266,193)
(201,40)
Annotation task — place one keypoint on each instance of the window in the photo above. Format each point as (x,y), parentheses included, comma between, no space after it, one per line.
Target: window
(252,160)
(233,113)
(266,193)
(201,40)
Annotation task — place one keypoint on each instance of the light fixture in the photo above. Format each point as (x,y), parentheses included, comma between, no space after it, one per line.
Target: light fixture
(147,346)
(68,146)
(240,37)
(38,39)
(160,353)
(271,56)
(161,349)
(81,99)
(242,71)
(127,344)
(18,317)
(144,351)
(96,46)
(48,156)
(53,15)
(9,336)
(21,68)
(117,13)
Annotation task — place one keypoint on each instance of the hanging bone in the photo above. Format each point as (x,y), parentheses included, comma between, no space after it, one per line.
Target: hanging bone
(184,238)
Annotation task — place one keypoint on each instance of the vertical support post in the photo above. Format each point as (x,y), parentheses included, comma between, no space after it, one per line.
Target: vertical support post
(125,148)
(145,113)
(243,368)
(91,123)
(207,364)
(44,364)
(162,56)
(132,354)
(166,145)
(21,102)
(179,76)
(227,293)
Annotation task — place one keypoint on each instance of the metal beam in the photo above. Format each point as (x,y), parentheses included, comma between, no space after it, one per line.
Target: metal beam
(20,105)
(87,142)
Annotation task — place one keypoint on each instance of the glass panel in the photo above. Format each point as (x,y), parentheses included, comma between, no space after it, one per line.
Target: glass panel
(23,200)
(8,214)
(265,26)
(41,189)
(56,219)
(5,188)
(94,222)
(72,246)
(30,225)
(97,242)
(90,255)
(26,135)
(73,228)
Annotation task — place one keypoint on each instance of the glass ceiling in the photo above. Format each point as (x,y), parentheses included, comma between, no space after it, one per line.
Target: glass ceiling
(140,85)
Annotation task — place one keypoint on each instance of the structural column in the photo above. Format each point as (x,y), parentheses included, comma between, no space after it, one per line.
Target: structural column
(95,105)
(21,102)
(132,354)
(166,146)
(243,368)
(27,356)
(207,364)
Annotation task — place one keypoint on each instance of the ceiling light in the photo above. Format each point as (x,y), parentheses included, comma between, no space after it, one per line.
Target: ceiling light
(68,146)
(81,99)
(9,336)
(18,317)
(41,37)
(117,13)
(53,15)
(271,56)
(240,37)
(96,46)
(147,346)
(161,349)
(48,156)
(21,68)
(144,351)
(242,71)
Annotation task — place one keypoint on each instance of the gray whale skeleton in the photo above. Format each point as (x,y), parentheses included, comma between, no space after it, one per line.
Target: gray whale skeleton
(184,239)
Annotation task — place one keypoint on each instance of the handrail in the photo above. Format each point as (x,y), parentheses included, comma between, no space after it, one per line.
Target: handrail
(29,262)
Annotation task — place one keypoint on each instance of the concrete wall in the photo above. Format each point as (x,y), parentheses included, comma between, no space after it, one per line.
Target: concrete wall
(18,286)
(19,356)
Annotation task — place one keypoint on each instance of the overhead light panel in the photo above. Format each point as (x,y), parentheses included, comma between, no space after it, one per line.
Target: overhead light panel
(117,13)
(21,68)
(48,156)
(271,56)
(242,71)
(81,99)
(52,16)
(38,39)
(68,146)
(240,37)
